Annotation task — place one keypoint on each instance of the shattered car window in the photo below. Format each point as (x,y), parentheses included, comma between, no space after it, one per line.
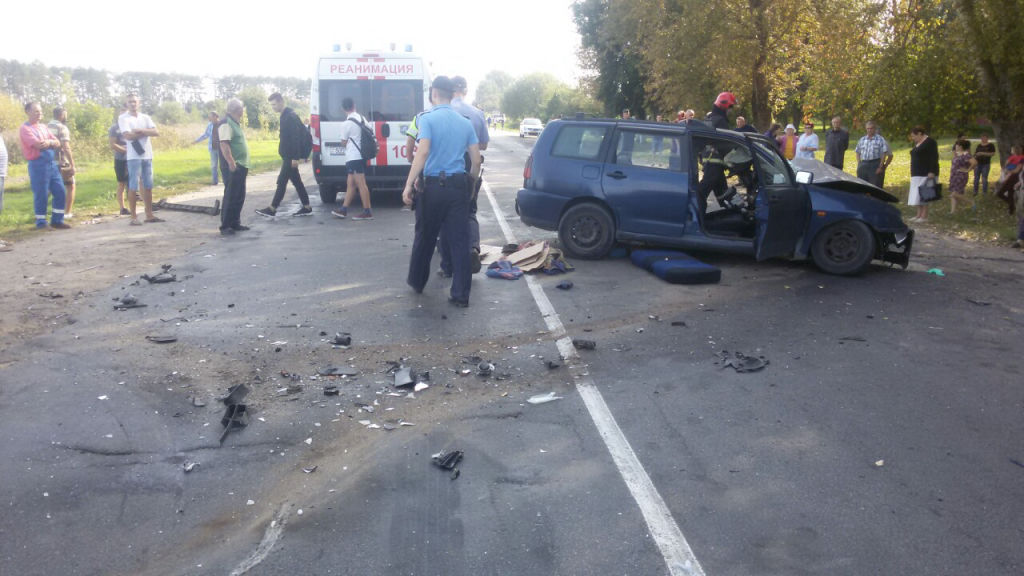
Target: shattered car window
(647,150)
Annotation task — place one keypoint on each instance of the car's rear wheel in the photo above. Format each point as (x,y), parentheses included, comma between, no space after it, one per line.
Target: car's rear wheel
(845,248)
(587,231)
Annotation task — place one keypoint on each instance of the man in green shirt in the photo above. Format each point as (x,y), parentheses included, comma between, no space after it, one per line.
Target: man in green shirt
(236,153)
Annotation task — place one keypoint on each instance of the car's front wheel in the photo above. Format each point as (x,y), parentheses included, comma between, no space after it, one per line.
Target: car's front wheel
(587,231)
(845,248)
(328,193)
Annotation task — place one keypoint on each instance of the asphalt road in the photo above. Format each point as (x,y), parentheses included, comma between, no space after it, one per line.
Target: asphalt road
(884,436)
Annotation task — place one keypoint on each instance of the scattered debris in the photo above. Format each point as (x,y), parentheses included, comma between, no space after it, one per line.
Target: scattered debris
(978,302)
(741,362)
(879,463)
(937,272)
(163,204)
(104,397)
(565,285)
(331,390)
(404,377)
(551,364)
(308,441)
(163,277)
(420,386)
(485,369)
(448,461)
(127,301)
(543,398)
(189,466)
(197,402)
(853,339)
(162,339)
(235,416)
(310,470)
(339,371)
(584,344)
(341,339)
(51,295)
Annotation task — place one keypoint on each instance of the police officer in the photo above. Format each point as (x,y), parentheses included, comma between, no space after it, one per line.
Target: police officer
(476,118)
(444,137)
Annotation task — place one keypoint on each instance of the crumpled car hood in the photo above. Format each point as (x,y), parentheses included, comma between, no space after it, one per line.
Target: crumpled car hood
(833,178)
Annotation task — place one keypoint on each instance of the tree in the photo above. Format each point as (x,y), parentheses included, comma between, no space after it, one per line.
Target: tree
(529,95)
(490,90)
(992,31)
(610,49)
(257,109)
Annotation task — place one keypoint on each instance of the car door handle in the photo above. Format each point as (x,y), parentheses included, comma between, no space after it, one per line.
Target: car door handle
(618,175)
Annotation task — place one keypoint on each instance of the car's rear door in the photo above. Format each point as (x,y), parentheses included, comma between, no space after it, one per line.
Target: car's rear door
(782,205)
(644,182)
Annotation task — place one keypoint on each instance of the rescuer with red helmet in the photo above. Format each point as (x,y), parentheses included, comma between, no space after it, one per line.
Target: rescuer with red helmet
(717,117)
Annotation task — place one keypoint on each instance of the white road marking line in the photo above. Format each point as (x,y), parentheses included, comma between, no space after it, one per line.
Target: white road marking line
(270,537)
(666,533)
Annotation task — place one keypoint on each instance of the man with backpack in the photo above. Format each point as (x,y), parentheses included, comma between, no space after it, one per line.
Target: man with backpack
(295,145)
(351,139)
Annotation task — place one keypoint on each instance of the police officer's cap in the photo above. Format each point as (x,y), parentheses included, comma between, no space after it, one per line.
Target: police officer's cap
(444,84)
(460,83)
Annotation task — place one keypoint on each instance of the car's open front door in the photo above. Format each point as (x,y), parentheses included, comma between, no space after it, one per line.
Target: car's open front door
(782,205)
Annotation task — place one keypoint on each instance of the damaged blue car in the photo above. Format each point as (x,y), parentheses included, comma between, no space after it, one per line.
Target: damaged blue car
(690,186)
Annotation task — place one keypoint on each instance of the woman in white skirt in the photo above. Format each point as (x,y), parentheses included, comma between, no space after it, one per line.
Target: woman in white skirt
(924,164)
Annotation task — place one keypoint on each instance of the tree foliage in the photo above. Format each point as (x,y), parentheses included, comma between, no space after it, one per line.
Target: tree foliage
(489,92)
(901,62)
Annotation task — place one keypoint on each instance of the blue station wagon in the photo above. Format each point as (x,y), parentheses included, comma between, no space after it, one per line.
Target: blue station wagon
(602,181)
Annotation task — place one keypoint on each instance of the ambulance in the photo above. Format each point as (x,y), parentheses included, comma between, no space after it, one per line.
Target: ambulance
(389,88)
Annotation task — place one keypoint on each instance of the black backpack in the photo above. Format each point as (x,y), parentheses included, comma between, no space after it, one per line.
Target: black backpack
(367,145)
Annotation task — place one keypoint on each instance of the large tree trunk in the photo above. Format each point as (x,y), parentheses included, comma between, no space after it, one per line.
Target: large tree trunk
(760,107)
(999,81)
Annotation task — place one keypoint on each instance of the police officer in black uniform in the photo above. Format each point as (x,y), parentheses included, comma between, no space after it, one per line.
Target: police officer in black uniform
(444,137)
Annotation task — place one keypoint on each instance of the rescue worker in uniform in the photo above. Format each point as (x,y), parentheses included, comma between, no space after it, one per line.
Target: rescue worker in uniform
(444,137)
(712,157)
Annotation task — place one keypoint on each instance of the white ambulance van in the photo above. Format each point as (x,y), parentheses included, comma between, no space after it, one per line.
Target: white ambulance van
(389,88)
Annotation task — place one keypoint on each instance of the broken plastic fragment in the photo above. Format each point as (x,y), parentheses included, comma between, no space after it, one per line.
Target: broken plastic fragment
(565,285)
(447,460)
(937,272)
(310,470)
(104,397)
(162,339)
(741,362)
(584,344)
(189,466)
(308,441)
(250,502)
(341,339)
(420,386)
(404,377)
(543,398)
(879,463)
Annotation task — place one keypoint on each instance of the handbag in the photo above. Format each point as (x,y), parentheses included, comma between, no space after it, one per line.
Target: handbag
(930,191)
(67,172)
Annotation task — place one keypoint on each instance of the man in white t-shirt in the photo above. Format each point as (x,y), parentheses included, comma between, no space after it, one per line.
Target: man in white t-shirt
(354,163)
(137,128)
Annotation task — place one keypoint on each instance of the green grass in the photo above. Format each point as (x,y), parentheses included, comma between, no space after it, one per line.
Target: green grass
(174,172)
(990,222)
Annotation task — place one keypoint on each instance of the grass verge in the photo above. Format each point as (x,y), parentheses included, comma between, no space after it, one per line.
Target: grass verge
(174,172)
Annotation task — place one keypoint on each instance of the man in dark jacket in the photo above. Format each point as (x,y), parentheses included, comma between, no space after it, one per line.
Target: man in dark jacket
(291,148)
(837,140)
(718,116)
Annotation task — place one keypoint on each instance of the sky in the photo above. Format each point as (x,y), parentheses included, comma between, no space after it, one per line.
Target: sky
(467,38)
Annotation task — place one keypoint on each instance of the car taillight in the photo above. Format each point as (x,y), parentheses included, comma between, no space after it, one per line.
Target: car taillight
(528,169)
(314,125)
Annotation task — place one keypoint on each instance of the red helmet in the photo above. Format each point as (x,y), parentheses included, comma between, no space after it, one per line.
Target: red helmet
(725,100)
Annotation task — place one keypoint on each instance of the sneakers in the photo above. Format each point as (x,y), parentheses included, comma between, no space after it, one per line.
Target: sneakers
(268,212)
(364,215)
(340,212)
(304,211)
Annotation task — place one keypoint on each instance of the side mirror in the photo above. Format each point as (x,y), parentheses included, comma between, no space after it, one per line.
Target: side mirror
(804,177)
